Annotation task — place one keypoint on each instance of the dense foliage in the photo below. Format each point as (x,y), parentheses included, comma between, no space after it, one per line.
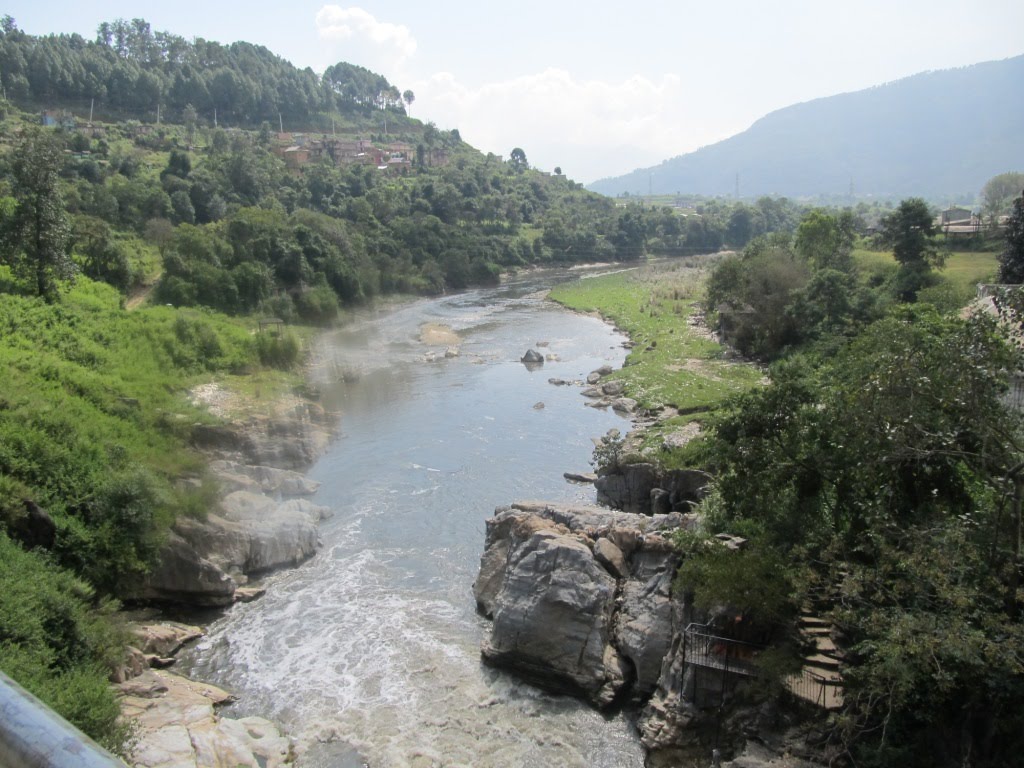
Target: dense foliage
(130,71)
(59,643)
(877,479)
(781,292)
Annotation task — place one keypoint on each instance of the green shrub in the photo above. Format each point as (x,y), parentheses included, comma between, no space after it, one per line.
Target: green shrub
(318,305)
(279,350)
(59,643)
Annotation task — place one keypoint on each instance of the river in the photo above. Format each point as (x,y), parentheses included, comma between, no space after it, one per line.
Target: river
(370,651)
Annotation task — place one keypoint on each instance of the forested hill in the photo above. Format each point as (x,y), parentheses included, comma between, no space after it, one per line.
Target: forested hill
(129,71)
(934,134)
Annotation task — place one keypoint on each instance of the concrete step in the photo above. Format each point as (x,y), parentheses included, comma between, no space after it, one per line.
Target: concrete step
(821,660)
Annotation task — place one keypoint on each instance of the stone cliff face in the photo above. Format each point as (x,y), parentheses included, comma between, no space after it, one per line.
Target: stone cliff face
(580,598)
(261,523)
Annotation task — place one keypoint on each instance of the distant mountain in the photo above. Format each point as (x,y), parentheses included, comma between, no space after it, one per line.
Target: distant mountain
(934,134)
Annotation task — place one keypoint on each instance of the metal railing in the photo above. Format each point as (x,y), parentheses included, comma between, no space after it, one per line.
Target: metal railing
(704,649)
(825,692)
(34,736)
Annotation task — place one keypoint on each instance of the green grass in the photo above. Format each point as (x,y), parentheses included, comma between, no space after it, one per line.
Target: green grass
(672,364)
(966,270)
(962,270)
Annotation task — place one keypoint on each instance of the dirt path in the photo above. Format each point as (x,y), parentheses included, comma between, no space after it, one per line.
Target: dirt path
(139,296)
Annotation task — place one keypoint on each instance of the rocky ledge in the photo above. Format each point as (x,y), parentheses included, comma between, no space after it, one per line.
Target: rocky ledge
(178,725)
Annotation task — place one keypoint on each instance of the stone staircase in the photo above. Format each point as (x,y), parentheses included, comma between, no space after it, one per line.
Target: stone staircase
(820,679)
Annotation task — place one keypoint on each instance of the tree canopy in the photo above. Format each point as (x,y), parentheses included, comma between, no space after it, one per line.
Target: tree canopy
(35,236)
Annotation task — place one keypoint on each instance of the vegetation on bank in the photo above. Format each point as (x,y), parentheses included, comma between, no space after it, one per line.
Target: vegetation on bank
(198,224)
(674,364)
(876,478)
(94,432)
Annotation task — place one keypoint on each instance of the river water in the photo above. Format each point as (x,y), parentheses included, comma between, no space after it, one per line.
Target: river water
(370,651)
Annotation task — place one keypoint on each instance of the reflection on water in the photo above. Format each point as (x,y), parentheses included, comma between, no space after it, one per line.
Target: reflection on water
(375,642)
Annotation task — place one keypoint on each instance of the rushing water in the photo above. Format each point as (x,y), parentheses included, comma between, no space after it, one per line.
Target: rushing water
(374,643)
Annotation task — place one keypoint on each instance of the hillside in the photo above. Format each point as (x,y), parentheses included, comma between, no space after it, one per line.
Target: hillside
(935,134)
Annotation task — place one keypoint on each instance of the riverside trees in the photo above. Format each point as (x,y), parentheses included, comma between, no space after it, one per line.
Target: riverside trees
(877,478)
(883,479)
(1011,261)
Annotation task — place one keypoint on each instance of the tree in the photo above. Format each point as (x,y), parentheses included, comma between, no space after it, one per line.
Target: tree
(35,240)
(518,159)
(997,196)
(823,240)
(409,97)
(910,232)
(1011,261)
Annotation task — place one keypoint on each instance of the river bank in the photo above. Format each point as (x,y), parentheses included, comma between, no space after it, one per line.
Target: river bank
(262,521)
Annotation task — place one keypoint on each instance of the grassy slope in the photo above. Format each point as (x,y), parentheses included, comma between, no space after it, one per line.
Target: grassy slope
(94,425)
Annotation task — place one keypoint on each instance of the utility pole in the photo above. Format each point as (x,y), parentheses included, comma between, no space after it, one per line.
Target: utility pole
(280,122)
(157,113)
(92,103)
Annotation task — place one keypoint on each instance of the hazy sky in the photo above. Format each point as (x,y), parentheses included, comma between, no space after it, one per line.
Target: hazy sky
(598,88)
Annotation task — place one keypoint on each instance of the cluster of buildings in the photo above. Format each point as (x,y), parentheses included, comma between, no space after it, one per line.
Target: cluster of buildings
(298,150)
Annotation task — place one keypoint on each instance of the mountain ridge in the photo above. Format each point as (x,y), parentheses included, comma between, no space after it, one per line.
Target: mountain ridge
(884,140)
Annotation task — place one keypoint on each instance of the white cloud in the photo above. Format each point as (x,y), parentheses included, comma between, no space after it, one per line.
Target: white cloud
(590,128)
(368,42)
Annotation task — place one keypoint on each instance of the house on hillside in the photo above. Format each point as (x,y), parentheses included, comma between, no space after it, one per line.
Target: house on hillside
(958,222)
(955,215)
(53,119)
(295,157)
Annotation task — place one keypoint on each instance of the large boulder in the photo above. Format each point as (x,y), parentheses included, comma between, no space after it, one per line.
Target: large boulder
(182,575)
(645,489)
(204,561)
(579,597)
(532,356)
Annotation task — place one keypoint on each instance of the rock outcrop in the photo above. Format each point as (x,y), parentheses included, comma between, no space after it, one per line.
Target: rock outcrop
(260,524)
(205,561)
(581,603)
(179,726)
(579,597)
